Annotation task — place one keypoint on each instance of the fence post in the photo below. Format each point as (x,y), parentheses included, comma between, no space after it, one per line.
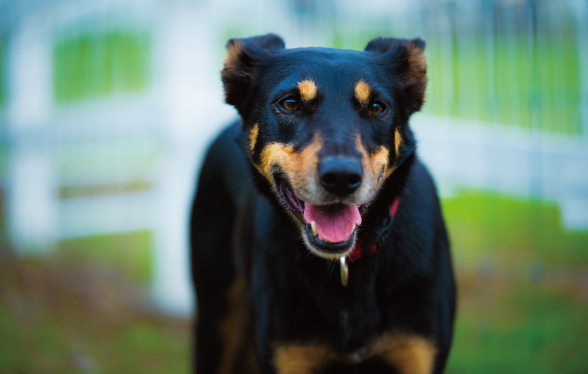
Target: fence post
(31,201)
(192,112)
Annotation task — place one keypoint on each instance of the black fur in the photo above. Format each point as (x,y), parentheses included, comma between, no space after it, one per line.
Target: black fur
(240,228)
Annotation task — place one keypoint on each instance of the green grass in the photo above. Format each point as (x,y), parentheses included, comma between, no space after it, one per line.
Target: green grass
(519,327)
(523,298)
(99,64)
(512,230)
(80,162)
(85,309)
(129,254)
(64,316)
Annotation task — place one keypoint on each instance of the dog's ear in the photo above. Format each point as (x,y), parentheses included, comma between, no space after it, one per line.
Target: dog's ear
(238,71)
(407,62)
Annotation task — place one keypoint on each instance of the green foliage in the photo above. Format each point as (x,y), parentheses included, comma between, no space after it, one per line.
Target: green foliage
(94,65)
(507,79)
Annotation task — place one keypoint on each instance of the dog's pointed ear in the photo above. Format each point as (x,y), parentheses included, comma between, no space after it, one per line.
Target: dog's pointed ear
(407,62)
(238,70)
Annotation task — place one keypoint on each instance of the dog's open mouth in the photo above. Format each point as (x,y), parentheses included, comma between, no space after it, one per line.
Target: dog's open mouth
(329,228)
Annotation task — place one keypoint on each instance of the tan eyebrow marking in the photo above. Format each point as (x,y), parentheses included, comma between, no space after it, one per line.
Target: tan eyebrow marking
(307,90)
(362,92)
(253,136)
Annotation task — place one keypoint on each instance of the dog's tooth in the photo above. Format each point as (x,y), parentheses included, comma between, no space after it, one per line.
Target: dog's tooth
(313,226)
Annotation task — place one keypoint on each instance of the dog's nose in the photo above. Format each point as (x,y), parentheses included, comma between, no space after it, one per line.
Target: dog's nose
(340,175)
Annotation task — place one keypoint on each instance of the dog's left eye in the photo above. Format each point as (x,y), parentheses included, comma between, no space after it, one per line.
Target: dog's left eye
(289,104)
(376,108)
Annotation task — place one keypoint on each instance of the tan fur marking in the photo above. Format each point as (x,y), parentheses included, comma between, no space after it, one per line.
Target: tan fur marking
(308,159)
(397,141)
(409,354)
(233,51)
(275,154)
(362,92)
(301,359)
(307,90)
(237,346)
(381,157)
(417,62)
(253,136)
(294,164)
(374,164)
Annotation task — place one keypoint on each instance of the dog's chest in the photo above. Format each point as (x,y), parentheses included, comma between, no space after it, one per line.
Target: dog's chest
(352,330)
(351,321)
(406,353)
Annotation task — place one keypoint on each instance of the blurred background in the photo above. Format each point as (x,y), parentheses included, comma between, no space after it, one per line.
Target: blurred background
(106,109)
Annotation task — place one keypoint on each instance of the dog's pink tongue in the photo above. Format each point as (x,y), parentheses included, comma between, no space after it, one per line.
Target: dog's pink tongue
(334,223)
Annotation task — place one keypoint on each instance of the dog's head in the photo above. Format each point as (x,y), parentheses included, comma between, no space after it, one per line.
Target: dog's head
(325,127)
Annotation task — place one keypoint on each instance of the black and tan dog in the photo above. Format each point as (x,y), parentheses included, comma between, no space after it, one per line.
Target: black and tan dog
(318,244)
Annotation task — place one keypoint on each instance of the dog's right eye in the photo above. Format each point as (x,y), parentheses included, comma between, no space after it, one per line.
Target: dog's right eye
(376,108)
(289,104)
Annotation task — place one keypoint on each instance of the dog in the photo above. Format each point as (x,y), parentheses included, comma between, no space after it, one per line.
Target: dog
(317,238)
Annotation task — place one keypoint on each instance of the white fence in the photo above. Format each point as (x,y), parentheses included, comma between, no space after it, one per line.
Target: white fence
(494,157)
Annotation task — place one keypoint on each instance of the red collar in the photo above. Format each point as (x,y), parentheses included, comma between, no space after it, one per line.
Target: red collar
(359,251)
